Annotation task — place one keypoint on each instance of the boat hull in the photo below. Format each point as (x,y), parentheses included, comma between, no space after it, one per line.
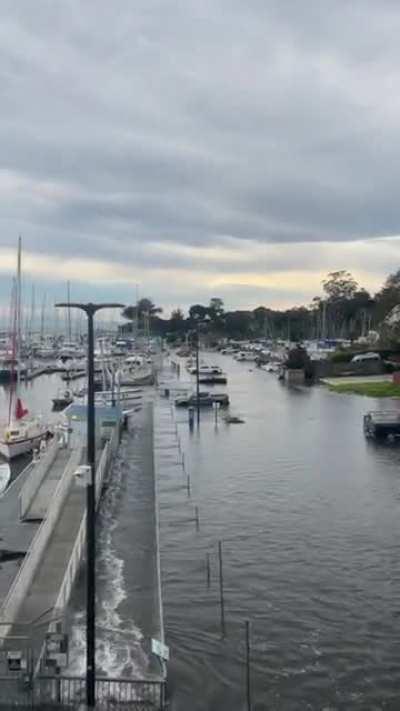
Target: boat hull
(7,376)
(10,450)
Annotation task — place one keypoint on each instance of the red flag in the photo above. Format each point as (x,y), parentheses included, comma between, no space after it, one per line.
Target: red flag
(20,410)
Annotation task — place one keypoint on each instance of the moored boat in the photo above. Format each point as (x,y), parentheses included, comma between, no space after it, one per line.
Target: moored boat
(22,433)
(213,379)
(22,437)
(205,400)
(62,400)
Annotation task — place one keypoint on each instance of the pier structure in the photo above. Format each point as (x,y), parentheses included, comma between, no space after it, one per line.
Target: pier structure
(42,545)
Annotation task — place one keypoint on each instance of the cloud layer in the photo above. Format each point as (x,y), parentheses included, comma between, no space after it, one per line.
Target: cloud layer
(239,147)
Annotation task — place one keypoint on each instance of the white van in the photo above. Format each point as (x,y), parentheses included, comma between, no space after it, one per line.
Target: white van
(366,358)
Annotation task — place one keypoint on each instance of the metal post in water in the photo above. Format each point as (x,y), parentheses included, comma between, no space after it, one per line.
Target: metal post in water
(191,418)
(188,484)
(208,569)
(197,519)
(197,375)
(221,589)
(248,679)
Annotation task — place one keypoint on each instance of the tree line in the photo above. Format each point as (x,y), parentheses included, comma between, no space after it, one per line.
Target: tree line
(345,311)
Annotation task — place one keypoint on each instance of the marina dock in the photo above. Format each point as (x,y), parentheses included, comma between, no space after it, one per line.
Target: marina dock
(43,538)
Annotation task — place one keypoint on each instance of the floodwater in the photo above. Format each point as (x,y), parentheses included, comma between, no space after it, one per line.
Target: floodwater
(308,513)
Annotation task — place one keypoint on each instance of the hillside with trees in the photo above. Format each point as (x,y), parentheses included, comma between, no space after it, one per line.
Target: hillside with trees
(345,310)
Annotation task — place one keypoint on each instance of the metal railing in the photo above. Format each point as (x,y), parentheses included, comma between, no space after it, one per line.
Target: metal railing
(69,692)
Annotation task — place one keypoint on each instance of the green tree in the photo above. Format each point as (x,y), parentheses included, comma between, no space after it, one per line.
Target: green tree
(197,311)
(388,297)
(216,307)
(297,358)
(143,306)
(177,321)
(237,324)
(340,285)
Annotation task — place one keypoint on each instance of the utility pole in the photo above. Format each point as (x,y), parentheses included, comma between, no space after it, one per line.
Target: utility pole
(90,310)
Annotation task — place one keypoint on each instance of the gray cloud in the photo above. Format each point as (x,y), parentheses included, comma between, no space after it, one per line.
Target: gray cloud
(162,121)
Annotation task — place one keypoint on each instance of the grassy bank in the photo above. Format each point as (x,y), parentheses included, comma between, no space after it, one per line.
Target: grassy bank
(376,389)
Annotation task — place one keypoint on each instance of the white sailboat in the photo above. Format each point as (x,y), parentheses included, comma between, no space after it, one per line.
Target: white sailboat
(22,433)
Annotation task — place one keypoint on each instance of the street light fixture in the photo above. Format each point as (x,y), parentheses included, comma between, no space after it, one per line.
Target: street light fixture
(90,310)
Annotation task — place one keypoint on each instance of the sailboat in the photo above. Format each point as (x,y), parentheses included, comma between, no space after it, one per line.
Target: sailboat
(22,433)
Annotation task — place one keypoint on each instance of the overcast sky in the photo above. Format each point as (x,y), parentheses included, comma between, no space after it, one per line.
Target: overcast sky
(232,148)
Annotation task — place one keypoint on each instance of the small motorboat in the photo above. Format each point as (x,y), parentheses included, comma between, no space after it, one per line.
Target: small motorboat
(205,400)
(233,420)
(62,400)
(5,476)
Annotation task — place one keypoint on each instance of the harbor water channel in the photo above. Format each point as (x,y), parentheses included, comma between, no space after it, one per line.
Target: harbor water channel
(308,513)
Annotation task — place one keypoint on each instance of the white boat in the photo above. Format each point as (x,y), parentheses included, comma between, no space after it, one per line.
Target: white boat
(245,356)
(22,433)
(133,377)
(22,436)
(5,476)
(71,350)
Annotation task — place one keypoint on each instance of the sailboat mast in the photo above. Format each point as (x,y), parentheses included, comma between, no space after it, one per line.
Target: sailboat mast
(42,318)
(69,312)
(13,335)
(32,319)
(137,311)
(18,306)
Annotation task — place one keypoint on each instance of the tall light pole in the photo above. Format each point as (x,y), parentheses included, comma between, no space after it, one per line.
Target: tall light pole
(197,373)
(90,310)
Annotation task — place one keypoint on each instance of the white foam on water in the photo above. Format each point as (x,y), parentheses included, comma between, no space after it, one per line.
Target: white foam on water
(118,641)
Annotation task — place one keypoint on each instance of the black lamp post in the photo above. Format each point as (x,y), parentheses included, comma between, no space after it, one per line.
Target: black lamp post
(90,310)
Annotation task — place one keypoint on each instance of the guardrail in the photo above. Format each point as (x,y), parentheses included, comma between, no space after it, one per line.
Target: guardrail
(157,524)
(25,575)
(39,471)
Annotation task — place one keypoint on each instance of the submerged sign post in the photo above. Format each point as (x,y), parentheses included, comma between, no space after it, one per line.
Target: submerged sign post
(16,661)
(56,649)
(160,650)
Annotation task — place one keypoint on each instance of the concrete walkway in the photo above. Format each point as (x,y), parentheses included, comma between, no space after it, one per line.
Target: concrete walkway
(40,503)
(144,601)
(347,379)
(49,576)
